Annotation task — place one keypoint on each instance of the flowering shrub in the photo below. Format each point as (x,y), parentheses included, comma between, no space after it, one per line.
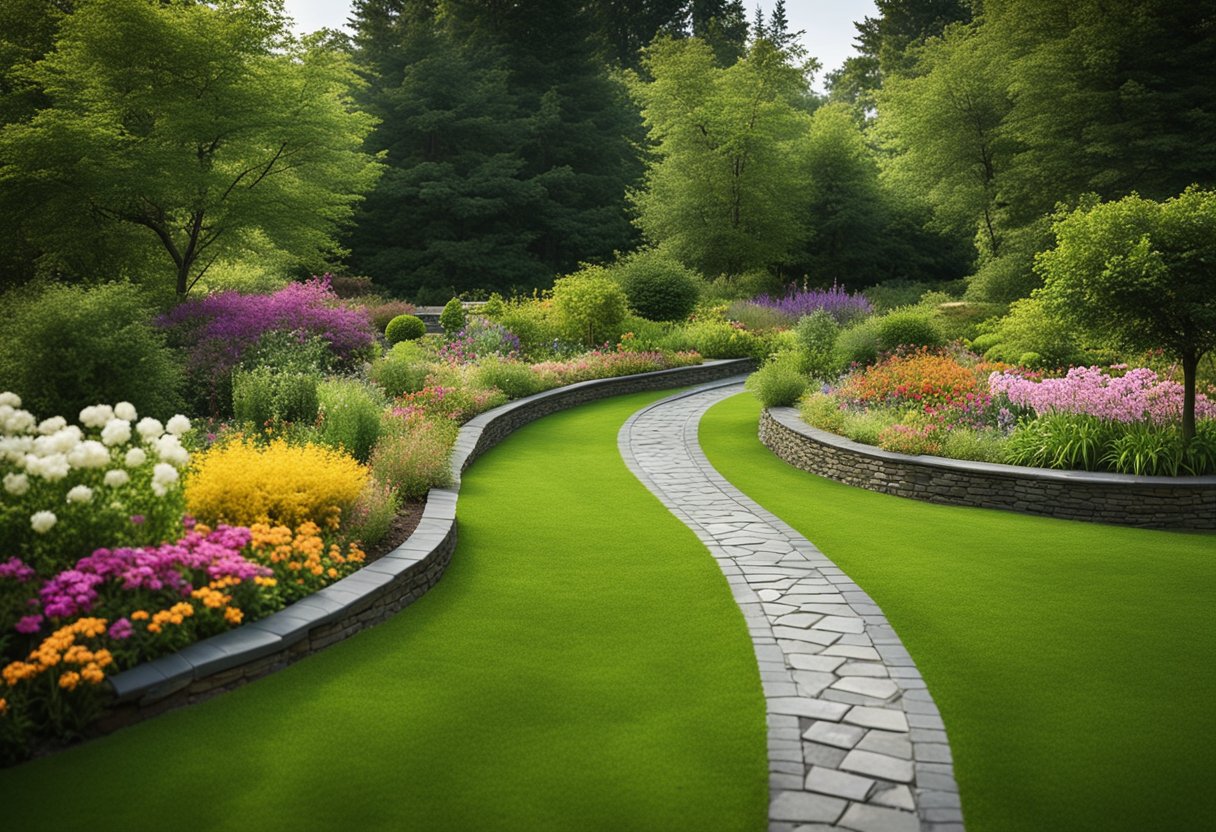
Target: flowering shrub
(1137,395)
(928,380)
(218,329)
(599,364)
(68,488)
(458,403)
(241,483)
(480,337)
(838,303)
(302,561)
(413,454)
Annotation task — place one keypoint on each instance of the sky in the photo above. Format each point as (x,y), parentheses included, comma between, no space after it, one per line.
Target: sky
(828,23)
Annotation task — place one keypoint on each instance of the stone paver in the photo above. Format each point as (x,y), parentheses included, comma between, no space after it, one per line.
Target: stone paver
(855,741)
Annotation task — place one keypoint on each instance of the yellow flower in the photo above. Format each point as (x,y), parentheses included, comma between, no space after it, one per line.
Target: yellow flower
(233,615)
(139,615)
(92,674)
(69,680)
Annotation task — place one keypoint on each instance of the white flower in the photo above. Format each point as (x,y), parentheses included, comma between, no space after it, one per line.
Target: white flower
(178,425)
(19,421)
(96,416)
(89,454)
(62,441)
(169,448)
(164,474)
(150,429)
(16,484)
(117,478)
(9,398)
(51,468)
(52,425)
(135,458)
(80,494)
(42,521)
(116,432)
(126,411)
(159,490)
(14,448)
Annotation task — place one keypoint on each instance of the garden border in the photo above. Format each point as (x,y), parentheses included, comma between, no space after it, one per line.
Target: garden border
(378,590)
(1123,499)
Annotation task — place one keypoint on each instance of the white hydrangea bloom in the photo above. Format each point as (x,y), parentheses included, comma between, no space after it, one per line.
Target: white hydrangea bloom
(51,468)
(169,448)
(178,425)
(16,484)
(164,473)
(10,399)
(52,425)
(135,458)
(96,416)
(19,421)
(159,489)
(80,494)
(89,454)
(126,411)
(116,432)
(150,429)
(42,521)
(116,478)
(62,441)
(14,448)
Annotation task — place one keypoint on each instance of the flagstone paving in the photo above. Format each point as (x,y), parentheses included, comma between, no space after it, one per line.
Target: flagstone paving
(855,741)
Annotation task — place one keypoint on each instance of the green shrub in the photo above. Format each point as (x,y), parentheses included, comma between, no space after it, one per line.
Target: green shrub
(1060,440)
(453,317)
(858,344)
(897,292)
(382,312)
(493,307)
(715,339)
(867,426)
(817,334)
(534,323)
(1029,328)
(413,455)
(822,411)
(404,328)
(350,416)
(403,369)
(907,328)
(658,287)
(63,348)
(288,352)
(513,378)
(265,396)
(777,384)
(642,335)
(590,306)
(982,446)
(371,518)
(757,318)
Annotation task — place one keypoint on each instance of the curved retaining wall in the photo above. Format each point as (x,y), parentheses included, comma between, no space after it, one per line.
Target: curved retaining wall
(1152,502)
(378,590)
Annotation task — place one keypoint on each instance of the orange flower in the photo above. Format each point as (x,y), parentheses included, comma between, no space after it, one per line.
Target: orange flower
(233,616)
(139,615)
(69,680)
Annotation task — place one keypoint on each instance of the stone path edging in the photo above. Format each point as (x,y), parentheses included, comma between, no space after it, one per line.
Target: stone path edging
(855,741)
(378,590)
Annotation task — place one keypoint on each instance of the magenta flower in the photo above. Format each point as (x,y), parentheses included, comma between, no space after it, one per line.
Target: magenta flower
(121,629)
(29,624)
(16,569)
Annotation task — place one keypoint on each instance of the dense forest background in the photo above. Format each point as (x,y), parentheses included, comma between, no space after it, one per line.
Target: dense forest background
(460,147)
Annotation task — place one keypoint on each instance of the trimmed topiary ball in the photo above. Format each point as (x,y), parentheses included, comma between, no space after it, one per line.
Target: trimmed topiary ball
(404,328)
(659,287)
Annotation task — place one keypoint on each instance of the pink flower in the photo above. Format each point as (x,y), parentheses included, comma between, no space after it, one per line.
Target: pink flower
(29,624)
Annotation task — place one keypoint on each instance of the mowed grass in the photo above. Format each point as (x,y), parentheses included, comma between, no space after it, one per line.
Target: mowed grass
(582,665)
(1074,663)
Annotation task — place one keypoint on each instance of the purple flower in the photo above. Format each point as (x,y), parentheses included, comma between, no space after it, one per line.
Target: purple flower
(838,303)
(29,624)
(137,519)
(16,569)
(121,629)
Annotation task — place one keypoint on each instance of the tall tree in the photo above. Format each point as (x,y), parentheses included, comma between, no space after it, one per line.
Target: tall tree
(723,191)
(194,131)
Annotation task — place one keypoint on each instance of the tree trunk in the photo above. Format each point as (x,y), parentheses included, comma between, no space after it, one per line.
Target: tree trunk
(183,280)
(1190,366)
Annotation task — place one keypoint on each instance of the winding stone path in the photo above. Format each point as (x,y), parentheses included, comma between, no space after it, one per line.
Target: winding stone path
(854,739)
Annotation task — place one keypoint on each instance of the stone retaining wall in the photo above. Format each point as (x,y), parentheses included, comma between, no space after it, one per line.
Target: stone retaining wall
(1152,502)
(378,590)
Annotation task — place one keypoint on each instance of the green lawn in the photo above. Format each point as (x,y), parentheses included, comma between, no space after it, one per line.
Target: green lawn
(1074,663)
(581,666)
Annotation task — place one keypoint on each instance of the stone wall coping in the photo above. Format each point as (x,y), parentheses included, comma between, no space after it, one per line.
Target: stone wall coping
(790,418)
(433,539)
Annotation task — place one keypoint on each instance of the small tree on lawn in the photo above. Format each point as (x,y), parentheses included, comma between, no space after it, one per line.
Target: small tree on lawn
(1142,273)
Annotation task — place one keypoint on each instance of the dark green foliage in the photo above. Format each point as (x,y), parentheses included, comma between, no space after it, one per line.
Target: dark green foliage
(907,328)
(817,334)
(63,348)
(265,396)
(404,328)
(453,316)
(658,286)
(858,344)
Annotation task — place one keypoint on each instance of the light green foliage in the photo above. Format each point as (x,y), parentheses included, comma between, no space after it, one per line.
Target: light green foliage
(350,413)
(891,294)
(910,327)
(1030,328)
(413,456)
(493,307)
(1061,440)
(658,286)
(265,396)
(590,306)
(513,378)
(534,322)
(1140,272)
(817,334)
(822,411)
(757,318)
(642,335)
(371,517)
(453,316)
(858,344)
(404,328)
(723,192)
(778,383)
(716,339)
(63,348)
(185,132)
(964,443)
(403,369)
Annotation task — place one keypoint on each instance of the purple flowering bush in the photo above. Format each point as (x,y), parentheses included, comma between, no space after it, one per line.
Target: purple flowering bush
(845,307)
(217,331)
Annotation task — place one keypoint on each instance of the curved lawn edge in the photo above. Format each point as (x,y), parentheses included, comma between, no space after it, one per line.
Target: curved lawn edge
(1123,499)
(378,590)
